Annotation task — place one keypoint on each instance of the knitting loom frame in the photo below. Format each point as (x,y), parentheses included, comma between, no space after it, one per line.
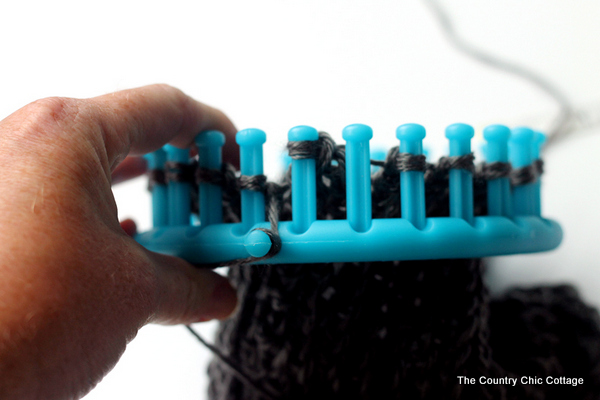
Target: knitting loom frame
(513,225)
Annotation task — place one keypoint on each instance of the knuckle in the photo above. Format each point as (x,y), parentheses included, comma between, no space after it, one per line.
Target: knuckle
(53,109)
(49,117)
(64,134)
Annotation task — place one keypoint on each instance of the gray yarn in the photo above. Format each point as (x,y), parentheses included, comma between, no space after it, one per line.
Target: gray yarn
(458,162)
(524,175)
(539,167)
(255,183)
(496,170)
(410,162)
(178,172)
(231,364)
(563,123)
(212,176)
(156,177)
(303,149)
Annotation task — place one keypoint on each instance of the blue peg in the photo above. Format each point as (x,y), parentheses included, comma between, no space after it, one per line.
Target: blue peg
(358,176)
(160,217)
(179,192)
(251,163)
(412,183)
(538,142)
(461,181)
(209,145)
(496,150)
(304,185)
(521,155)
(377,154)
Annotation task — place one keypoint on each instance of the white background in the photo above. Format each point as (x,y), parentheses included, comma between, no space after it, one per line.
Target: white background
(274,64)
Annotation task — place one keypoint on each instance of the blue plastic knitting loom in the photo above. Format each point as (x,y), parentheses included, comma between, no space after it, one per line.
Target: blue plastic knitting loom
(513,224)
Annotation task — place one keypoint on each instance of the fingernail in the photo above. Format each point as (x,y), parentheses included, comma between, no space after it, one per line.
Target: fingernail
(223,301)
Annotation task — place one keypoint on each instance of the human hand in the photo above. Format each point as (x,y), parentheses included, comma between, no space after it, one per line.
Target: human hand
(74,286)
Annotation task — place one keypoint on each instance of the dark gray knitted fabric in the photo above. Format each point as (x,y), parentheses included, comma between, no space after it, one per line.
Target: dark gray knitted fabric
(396,330)
(401,330)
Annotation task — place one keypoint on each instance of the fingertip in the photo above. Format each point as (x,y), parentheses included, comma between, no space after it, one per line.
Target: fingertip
(222,120)
(188,294)
(231,152)
(139,121)
(223,301)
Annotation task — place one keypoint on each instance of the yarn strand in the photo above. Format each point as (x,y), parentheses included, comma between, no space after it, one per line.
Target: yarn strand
(241,375)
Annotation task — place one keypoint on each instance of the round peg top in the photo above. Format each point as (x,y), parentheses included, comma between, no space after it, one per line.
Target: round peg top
(176,154)
(496,148)
(410,132)
(210,138)
(250,137)
(302,133)
(460,132)
(522,147)
(522,135)
(257,243)
(357,133)
(496,133)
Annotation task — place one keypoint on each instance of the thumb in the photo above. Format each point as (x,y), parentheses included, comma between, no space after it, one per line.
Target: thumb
(188,294)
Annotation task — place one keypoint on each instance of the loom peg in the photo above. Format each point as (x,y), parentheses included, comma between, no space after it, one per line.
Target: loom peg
(521,154)
(496,150)
(461,181)
(257,243)
(179,192)
(412,183)
(358,176)
(304,184)
(251,164)
(209,144)
(160,205)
